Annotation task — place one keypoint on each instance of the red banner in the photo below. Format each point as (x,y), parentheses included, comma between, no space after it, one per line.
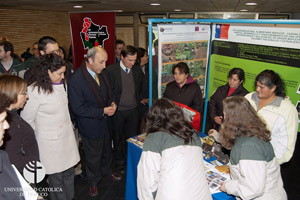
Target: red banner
(89,30)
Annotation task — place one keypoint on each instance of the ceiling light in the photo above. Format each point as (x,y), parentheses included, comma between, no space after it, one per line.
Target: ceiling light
(250,4)
(244,10)
(77,6)
(155,4)
(177,10)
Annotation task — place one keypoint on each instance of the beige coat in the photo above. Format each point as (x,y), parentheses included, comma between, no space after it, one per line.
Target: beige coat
(48,114)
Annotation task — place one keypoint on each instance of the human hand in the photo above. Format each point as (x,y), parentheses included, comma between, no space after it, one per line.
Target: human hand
(114,105)
(110,110)
(222,187)
(145,101)
(212,132)
(218,119)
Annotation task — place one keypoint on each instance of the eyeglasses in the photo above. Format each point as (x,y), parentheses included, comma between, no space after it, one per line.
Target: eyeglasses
(58,52)
(35,48)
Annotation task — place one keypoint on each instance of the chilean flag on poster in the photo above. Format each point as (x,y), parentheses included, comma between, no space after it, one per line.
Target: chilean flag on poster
(222,31)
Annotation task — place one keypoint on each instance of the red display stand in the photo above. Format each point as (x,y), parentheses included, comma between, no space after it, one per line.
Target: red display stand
(196,118)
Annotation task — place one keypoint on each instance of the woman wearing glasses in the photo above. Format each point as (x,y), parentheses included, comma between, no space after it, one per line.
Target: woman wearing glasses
(20,142)
(48,114)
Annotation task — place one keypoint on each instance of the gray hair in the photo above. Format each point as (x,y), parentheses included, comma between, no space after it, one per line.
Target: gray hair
(92,52)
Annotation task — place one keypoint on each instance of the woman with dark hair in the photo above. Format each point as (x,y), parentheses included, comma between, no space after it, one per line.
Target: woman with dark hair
(20,142)
(142,58)
(234,87)
(69,66)
(184,89)
(254,170)
(8,176)
(48,114)
(280,115)
(171,165)
(142,61)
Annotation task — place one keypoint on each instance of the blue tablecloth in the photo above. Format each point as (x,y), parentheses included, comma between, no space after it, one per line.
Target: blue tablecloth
(133,157)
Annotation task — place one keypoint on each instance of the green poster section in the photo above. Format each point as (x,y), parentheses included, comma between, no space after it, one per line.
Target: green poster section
(253,59)
(220,66)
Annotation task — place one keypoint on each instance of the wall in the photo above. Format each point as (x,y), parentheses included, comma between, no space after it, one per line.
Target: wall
(125,30)
(295,16)
(24,27)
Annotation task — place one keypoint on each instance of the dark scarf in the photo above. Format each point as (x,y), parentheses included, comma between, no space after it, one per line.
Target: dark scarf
(92,85)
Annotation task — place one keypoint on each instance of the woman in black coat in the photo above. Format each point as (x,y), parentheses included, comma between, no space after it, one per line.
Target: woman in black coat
(234,87)
(184,89)
(20,142)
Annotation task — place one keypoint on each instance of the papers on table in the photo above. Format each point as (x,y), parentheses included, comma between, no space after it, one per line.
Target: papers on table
(214,177)
(138,140)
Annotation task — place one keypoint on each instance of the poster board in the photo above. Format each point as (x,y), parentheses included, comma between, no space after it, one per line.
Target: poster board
(187,43)
(291,70)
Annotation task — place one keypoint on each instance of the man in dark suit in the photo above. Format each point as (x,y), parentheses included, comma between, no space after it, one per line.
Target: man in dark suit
(92,101)
(126,82)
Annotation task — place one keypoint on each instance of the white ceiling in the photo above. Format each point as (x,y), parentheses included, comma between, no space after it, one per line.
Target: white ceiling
(274,6)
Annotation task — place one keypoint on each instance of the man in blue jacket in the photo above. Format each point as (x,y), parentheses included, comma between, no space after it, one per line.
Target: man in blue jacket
(92,101)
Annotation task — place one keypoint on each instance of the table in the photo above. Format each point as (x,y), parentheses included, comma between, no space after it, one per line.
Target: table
(133,157)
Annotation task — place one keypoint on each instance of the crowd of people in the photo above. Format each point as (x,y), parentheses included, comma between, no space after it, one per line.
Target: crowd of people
(44,101)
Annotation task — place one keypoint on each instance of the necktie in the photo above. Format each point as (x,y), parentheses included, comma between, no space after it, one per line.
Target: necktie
(97,79)
(126,70)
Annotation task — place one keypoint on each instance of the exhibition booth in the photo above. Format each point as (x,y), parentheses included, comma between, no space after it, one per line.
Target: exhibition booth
(212,47)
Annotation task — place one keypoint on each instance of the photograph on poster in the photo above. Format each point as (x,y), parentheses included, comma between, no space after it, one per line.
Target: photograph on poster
(298,91)
(183,51)
(197,71)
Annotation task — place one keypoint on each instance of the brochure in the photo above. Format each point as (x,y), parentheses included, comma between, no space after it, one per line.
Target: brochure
(138,140)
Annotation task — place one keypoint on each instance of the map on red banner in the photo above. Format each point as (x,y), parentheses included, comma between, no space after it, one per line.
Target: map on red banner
(93,35)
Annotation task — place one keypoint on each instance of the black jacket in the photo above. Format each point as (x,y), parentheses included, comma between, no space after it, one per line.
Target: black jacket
(9,180)
(19,141)
(84,104)
(189,94)
(216,100)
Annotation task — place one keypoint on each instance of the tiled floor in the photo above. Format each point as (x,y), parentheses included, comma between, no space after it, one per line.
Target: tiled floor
(107,188)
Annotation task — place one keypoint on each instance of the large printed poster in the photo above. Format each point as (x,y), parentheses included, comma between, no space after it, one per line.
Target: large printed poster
(256,48)
(89,30)
(187,43)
